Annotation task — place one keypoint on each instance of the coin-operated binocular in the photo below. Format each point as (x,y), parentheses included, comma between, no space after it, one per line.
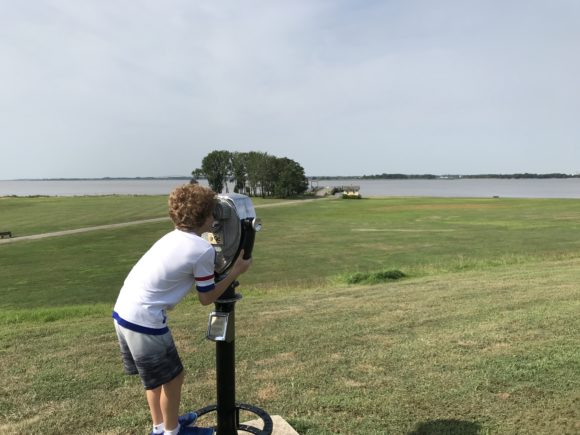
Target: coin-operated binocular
(234,228)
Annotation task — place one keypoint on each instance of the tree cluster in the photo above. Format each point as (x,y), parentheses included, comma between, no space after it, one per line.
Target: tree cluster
(253,173)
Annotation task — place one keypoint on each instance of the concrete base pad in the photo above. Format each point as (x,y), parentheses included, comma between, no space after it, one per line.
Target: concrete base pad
(281,427)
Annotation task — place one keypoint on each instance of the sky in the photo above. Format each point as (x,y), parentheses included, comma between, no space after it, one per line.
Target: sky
(138,88)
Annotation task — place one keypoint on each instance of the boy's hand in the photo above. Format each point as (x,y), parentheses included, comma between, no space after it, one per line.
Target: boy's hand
(241,265)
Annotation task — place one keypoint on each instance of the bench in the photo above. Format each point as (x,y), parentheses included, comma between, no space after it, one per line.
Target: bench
(5,234)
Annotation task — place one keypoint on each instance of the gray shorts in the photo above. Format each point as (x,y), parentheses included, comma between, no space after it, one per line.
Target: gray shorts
(153,357)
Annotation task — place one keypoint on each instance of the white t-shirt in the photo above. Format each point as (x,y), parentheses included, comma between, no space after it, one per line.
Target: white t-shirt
(163,277)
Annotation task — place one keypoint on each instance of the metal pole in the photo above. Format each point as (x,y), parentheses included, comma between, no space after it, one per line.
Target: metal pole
(225,369)
(228,411)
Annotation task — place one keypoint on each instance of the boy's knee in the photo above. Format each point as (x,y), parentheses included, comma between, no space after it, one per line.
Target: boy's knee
(179,378)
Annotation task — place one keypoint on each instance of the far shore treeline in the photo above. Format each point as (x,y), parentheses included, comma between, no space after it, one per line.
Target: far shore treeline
(253,173)
(456,176)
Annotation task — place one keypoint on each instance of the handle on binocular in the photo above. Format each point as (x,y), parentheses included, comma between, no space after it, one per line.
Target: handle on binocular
(248,242)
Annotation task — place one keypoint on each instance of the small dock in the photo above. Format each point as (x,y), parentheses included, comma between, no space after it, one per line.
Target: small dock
(350,191)
(347,191)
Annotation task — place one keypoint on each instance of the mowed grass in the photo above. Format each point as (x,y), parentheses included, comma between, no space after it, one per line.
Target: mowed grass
(481,337)
(33,215)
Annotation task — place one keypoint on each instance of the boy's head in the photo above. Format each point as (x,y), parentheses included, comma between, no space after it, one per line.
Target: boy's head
(190,205)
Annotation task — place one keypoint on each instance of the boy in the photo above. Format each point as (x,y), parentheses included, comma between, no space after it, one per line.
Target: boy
(159,280)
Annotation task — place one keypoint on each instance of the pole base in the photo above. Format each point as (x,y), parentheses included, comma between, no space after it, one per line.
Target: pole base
(268,424)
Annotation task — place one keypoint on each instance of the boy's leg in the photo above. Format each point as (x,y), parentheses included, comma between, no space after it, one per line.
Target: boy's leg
(156,360)
(170,400)
(154,401)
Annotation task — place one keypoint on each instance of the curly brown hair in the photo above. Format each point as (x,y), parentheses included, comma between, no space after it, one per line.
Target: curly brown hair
(190,205)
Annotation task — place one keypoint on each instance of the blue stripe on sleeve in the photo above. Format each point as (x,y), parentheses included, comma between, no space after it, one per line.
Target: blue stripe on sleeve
(205,289)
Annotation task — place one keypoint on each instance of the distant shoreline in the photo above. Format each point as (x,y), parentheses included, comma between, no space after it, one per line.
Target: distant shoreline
(383,176)
(101,178)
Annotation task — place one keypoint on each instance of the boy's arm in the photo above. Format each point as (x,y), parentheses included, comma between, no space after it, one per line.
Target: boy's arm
(240,266)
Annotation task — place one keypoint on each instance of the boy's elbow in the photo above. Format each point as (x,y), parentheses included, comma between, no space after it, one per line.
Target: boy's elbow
(205,299)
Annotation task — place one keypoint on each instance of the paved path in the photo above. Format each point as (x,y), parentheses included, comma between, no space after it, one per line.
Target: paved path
(81,230)
(126,224)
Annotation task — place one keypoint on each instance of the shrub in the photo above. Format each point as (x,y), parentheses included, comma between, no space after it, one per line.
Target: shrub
(374,277)
(357,278)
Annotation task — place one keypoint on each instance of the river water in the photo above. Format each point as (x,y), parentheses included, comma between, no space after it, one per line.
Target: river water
(476,188)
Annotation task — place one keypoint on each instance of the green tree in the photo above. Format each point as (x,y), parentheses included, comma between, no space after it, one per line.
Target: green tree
(255,166)
(290,178)
(217,168)
(197,173)
(239,171)
(268,175)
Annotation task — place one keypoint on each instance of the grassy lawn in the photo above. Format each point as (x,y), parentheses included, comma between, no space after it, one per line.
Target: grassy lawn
(481,338)
(33,215)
